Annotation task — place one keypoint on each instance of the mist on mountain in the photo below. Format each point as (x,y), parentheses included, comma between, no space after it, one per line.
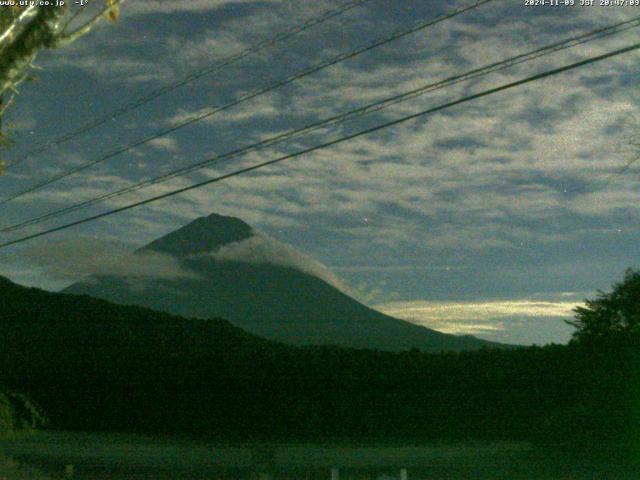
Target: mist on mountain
(265,287)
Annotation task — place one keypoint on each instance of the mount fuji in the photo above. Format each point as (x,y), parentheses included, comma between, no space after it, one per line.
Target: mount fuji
(264,287)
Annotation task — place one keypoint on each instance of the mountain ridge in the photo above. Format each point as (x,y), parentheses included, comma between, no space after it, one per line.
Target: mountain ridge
(205,234)
(263,291)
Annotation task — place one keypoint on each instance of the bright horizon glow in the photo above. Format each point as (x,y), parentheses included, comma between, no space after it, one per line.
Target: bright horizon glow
(477,318)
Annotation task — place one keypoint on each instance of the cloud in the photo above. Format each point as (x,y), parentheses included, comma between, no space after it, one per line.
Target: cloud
(525,168)
(482,310)
(396,268)
(74,259)
(262,249)
(165,143)
(516,321)
(262,107)
(115,68)
(175,6)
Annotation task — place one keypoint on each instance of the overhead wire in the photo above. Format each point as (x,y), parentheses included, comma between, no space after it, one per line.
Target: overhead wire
(256,93)
(190,77)
(328,144)
(340,118)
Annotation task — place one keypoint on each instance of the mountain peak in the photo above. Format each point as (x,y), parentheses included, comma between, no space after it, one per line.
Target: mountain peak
(266,288)
(204,234)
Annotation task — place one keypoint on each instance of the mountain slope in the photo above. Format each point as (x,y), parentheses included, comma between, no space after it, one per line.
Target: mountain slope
(265,288)
(96,366)
(79,322)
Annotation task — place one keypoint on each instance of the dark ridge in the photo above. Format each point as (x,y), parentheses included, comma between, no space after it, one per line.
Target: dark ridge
(205,234)
(94,366)
(272,301)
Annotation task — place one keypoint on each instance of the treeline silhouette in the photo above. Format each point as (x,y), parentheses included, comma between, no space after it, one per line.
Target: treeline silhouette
(96,366)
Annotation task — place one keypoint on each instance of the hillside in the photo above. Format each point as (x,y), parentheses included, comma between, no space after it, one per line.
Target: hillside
(92,364)
(266,288)
(97,366)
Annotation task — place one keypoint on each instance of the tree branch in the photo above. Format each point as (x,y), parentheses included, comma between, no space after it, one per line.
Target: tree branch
(39,33)
(7,35)
(69,37)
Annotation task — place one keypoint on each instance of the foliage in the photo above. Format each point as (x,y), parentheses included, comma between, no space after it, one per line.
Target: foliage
(17,412)
(96,366)
(6,414)
(611,317)
(25,30)
(11,469)
(604,416)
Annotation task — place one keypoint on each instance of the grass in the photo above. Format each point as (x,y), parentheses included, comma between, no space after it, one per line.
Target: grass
(12,470)
(133,457)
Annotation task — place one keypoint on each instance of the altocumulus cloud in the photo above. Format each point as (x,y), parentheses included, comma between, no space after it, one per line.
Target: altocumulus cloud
(72,260)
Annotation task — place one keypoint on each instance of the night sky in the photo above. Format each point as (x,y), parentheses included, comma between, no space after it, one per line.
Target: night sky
(495,217)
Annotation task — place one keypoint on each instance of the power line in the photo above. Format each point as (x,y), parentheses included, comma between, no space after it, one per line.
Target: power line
(231,59)
(367,109)
(210,112)
(343,139)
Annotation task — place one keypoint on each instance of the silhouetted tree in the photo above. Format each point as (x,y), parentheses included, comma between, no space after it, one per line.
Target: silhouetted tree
(611,316)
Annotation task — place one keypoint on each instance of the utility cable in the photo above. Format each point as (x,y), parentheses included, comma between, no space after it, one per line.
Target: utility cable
(213,111)
(190,77)
(325,145)
(371,108)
